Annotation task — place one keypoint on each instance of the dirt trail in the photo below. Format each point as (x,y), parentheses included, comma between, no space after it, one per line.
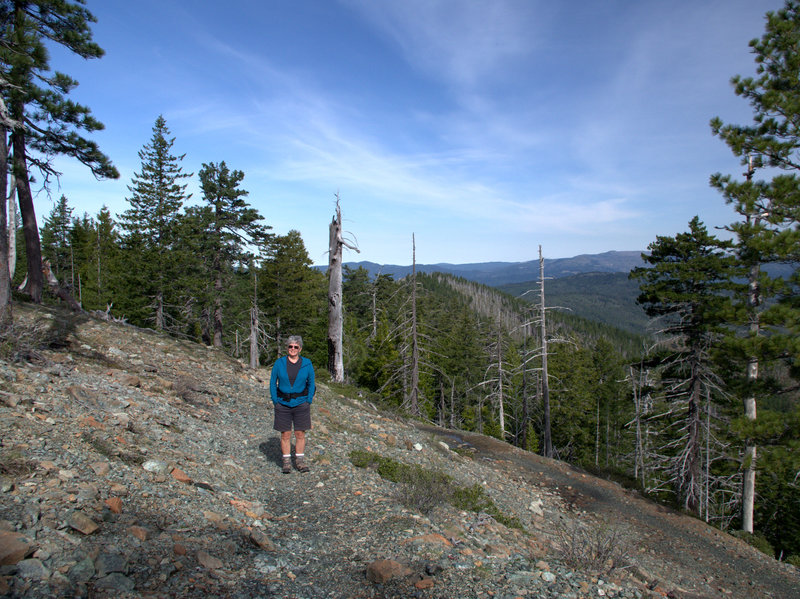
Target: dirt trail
(682,552)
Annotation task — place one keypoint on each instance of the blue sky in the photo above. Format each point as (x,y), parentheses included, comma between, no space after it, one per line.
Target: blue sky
(485,128)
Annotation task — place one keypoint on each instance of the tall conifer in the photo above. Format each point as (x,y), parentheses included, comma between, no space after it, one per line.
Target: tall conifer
(687,289)
(234,230)
(157,196)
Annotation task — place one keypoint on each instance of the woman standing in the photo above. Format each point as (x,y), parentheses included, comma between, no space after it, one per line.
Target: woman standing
(291,389)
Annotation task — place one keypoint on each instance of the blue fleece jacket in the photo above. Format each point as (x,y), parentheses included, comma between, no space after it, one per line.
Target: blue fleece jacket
(304,383)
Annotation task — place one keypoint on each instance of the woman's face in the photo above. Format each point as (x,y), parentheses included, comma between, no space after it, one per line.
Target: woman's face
(293,349)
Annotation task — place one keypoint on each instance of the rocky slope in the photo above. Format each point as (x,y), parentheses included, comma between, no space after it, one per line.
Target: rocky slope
(134,465)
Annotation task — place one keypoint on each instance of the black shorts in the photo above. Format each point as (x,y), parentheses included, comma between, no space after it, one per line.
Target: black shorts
(285,416)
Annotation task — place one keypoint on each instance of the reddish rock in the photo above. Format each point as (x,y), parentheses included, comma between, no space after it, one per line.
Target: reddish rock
(433,538)
(126,379)
(140,533)
(91,421)
(383,570)
(260,539)
(495,550)
(82,523)
(179,549)
(119,489)
(209,561)
(114,504)
(425,583)
(14,548)
(101,468)
(180,476)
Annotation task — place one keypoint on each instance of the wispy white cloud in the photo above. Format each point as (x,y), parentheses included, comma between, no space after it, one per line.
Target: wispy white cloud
(458,42)
(520,116)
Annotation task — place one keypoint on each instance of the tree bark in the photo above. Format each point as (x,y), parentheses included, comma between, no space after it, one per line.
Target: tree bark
(5,277)
(501,398)
(35,281)
(254,325)
(750,453)
(335,317)
(548,440)
(414,389)
(11,222)
(57,289)
(218,311)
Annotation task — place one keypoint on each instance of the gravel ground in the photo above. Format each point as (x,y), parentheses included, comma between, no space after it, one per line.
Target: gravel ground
(134,465)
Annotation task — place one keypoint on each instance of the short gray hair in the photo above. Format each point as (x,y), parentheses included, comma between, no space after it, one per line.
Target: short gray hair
(295,339)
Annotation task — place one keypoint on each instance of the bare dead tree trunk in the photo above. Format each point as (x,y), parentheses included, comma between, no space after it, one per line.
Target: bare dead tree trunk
(692,483)
(218,311)
(548,440)
(57,289)
(12,224)
(641,410)
(5,278)
(99,271)
(374,332)
(750,453)
(254,326)
(160,314)
(335,317)
(522,435)
(501,398)
(597,432)
(414,391)
(453,404)
(278,335)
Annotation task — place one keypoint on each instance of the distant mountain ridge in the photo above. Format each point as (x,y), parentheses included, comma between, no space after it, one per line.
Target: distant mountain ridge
(505,273)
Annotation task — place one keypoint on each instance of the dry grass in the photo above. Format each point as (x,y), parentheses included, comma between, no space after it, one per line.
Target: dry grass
(601,549)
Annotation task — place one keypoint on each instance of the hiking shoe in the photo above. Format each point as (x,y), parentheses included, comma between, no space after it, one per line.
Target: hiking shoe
(301,465)
(287,465)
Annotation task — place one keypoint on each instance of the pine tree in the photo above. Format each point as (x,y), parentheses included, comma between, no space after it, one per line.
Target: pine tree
(687,289)
(56,239)
(43,122)
(769,230)
(233,227)
(158,195)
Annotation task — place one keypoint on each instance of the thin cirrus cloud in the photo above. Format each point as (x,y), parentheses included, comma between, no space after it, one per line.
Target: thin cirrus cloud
(459,42)
(486,126)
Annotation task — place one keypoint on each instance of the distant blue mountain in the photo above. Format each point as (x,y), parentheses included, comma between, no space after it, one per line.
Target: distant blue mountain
(504,273)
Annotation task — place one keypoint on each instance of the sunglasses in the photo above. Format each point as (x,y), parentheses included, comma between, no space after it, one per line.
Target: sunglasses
(293,346)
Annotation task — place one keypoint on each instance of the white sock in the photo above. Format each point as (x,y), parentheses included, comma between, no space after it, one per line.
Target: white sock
(287,456)
(299,455)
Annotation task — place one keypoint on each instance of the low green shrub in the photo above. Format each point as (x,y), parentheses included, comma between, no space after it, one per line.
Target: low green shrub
(760,542)
(423,489)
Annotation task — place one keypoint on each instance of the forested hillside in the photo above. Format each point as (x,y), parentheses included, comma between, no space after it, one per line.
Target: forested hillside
(609,298)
